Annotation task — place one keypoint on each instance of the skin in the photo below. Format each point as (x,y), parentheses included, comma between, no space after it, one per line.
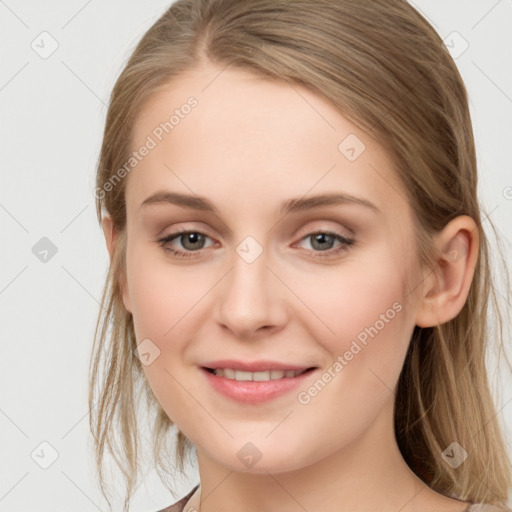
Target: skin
(249,145)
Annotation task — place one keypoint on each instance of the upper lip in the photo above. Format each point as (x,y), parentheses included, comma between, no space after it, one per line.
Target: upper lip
(253,366)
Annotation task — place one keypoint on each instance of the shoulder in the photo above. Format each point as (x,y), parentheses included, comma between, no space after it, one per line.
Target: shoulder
(180,504)
(485,507)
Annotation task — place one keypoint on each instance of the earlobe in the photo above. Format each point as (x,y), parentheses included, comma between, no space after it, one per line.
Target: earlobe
(110,239)
(447,286)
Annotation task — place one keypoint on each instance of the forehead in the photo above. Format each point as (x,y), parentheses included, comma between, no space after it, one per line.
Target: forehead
(248,135)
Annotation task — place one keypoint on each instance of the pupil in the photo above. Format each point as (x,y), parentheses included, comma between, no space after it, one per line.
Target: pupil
(321,237)
(192,238)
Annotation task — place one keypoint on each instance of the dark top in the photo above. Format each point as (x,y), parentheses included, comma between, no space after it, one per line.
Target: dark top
(180,505)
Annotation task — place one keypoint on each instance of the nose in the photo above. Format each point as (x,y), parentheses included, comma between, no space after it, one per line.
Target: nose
(250,299)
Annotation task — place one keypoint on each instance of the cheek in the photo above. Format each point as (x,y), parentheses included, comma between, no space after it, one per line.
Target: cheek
(163,297)
(360,313)
(166,300)
(161,294)
(367,311)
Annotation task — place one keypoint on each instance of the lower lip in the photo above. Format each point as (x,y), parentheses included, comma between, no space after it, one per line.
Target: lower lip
(254,392)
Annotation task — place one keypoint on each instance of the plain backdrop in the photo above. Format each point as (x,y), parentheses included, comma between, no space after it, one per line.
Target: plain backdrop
(52,116)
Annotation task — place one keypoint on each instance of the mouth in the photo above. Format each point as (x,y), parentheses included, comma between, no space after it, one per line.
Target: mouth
(253,388)
(261,376)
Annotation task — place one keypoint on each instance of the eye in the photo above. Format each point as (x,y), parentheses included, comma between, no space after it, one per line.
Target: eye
(323,240)
(193,241)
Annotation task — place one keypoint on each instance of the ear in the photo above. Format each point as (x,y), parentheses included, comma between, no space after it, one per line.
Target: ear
(111,238)
(110,235)
(447,285)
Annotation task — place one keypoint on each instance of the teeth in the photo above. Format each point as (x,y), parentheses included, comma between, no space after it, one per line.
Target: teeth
(230,373)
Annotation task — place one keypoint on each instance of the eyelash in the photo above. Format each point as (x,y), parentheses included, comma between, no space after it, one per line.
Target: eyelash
(346,243)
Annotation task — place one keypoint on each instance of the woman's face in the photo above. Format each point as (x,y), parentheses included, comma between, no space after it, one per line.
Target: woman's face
(260,281)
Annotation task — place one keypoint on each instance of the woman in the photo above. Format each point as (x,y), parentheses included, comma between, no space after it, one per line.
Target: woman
(240,138)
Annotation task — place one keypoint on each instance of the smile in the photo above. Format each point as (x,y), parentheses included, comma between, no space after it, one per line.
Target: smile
(230,373)
(255,387)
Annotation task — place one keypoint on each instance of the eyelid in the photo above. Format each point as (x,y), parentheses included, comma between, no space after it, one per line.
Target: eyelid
(346,242)
(320,226)
(301,233)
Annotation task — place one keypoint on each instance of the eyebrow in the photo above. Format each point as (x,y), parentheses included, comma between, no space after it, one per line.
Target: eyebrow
(290,206)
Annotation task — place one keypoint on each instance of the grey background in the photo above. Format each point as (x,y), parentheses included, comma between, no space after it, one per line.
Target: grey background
(53,112)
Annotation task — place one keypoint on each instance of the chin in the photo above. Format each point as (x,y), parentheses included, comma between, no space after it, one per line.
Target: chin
(256,457)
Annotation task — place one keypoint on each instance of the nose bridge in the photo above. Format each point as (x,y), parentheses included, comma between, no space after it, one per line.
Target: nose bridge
(249,298)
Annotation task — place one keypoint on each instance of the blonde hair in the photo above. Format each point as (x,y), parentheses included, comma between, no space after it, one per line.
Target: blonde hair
(383,67)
